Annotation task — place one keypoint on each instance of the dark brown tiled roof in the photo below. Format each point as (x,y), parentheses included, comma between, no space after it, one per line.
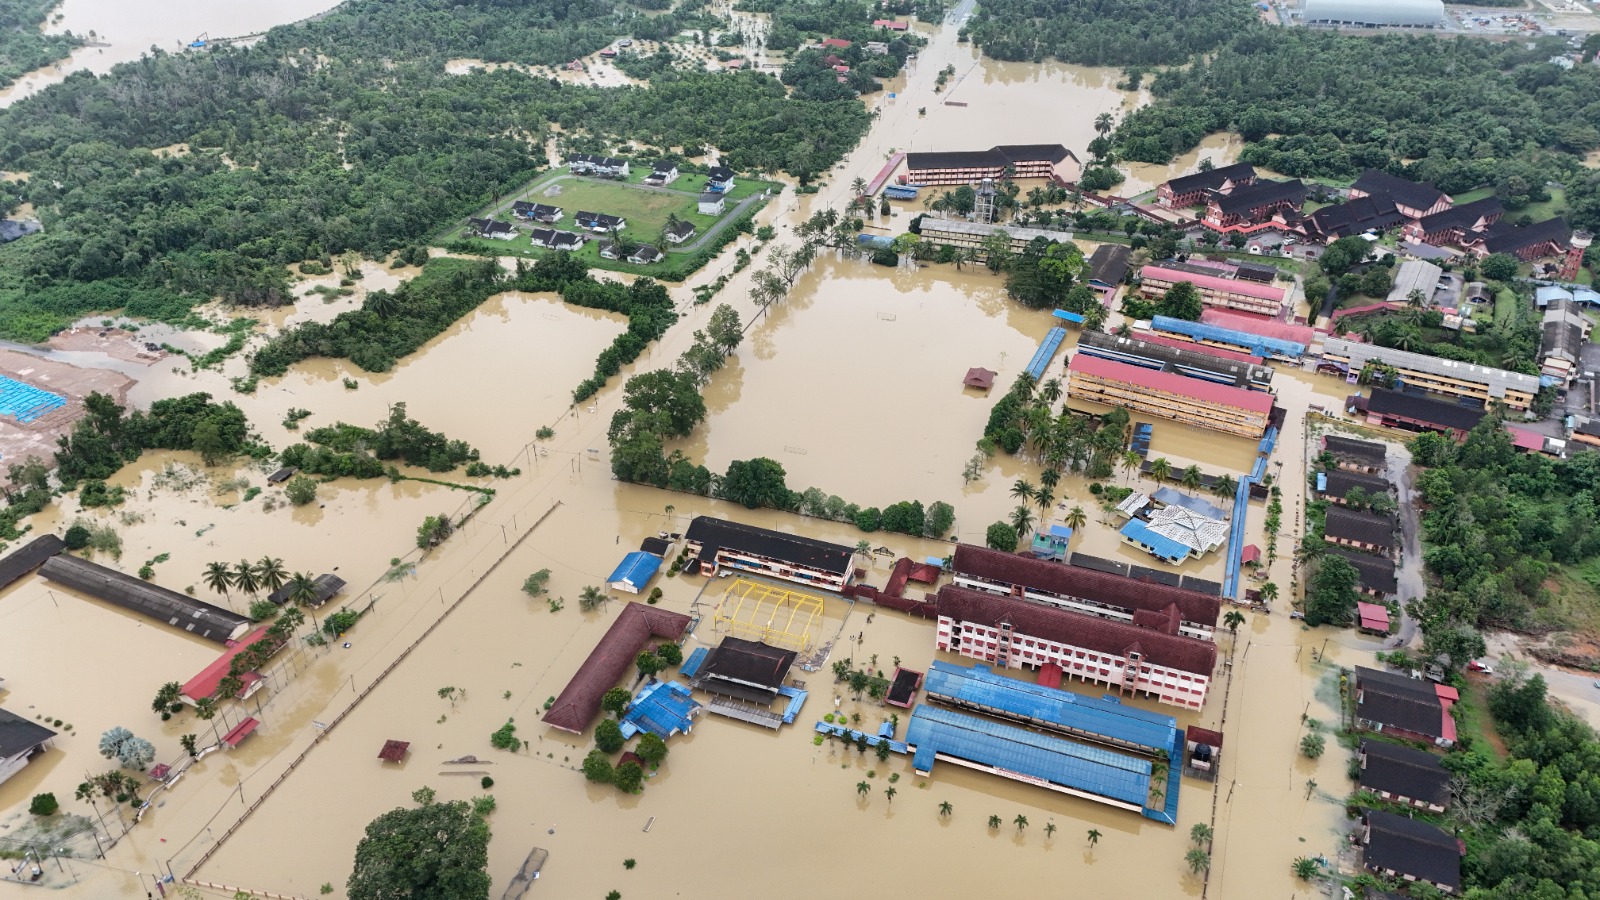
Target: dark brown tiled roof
(1463,216)
(1088,584)
(1211,179)
(1412,848)
(1415,194)
(28,557)
(1262,193)
(610,659)
(1411,712)
(1439,413)
(713,534)
(1109,264)
(1340,481)
(1405,771)
(1184,654)
(1375,573)
(1504,237)
(751,662)
(1353,450)
(1364,527)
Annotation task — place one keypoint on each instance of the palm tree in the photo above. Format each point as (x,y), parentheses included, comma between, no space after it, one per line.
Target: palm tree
(1200,833)
(1311,785)
(863,788)
(1225,487)
(1094,317)
(219,577)
(271,573)
(1022,520)
(1160,469)
(859,187)
(381,303)
(994,821)
(1233,619)
(1269,591)
(1050,391)
(303,592)
(592,598)
(244,578)
(1076,518)
(1131,461)
(1103,124)
(1191,478)
(945,808)
(1049,478)
(1305,868)
(1198,860)
(1022,490)
(1021,821)
(1094,836)
(890,792)
(1049,829)
(1044,497)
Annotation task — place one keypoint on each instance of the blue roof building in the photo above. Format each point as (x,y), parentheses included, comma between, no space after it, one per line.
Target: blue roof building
(635,571)
(1255,344)
(1168,496)
(1051,543)
(1158,545)
(662,708)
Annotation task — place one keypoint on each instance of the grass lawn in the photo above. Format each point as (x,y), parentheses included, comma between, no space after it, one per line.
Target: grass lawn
(1555,206)
(1473,719)
(646,211)
(1507,308)
(1472,195)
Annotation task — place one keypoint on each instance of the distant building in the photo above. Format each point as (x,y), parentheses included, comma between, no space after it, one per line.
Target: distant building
(1561,346)
(489,228)
(1399,847)
(537,212)
(604,166)
(601,223)
(710,204)
(1413,199)
(1360,530)
(1404,775)
(1192,190)
(716,544)
(1374,13)
(557,240)
(20,741)
(1215,290)
(1444,377)
(1245,207)
(973,166)
(889,24)
(1409,708)
(1016,634)
(964,234)
(1169,396)
(1356,215)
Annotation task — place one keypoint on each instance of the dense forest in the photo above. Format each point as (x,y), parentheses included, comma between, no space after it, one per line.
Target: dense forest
(342,134)
(1129,33)
(22,47)
(1315,103)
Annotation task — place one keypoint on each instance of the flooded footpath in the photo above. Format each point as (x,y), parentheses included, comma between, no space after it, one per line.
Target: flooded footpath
(859,372)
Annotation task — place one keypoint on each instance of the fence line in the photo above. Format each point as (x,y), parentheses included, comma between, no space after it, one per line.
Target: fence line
(321,735)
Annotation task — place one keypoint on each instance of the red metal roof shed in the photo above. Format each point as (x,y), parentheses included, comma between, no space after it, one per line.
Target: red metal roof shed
(979,378)
(240,732)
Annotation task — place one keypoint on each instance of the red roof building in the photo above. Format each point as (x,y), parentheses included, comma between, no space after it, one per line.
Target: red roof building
(980,378)
(1161,340)
(1272,328)
(1019,634)
(1169,395)
(840,43)
(890,24)
(240,732)
(205,684)
(1374,618)
(579,701)
(1231,293)
(1251,555)
(1525,440)
(1087,591)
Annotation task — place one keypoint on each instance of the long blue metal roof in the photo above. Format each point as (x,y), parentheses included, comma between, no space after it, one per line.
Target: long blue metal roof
(1166,548)
(662,708)
(1257,344)
(1046,352)
(636,570)
(1104,773)
(981,687)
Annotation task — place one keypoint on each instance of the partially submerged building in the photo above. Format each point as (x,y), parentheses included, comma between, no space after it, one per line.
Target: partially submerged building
(971,235)
(1355,456)
(1359,530)
(579,702)
(1411,412)
(326,587)
(1169,356)
(1335,485)
(662,708)
(194,616)
(745,670)
(1404,848)
(1245,295)
(1441,377)
(20,741)
(973,166)
(205,683)
(1175,533)
(28,557)
(716,544)
(1404,775)
(1168,395)
(1410,708)
(1375,574)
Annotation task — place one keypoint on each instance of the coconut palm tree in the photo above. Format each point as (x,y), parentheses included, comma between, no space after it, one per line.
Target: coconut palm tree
(1191,478)
(994,821)
(1233,619)
(1269,591)
(1022,489)
(218,577)
(1305,868)
(381,303)
(859,187)
(945,808)
(1200,833)
(1160,469)
(1022,521)
(1094,836)
(1198,860)
(1225,487)
(890,792)
(1131,460)
(1021,821)
(303,592)
(863,788)
(1049,478)
(1076,518)
(244,577)
(1103,124)
(271,573)
(1049,829)
(1094,317)
(1044,497)
(592,598)
(1050,391)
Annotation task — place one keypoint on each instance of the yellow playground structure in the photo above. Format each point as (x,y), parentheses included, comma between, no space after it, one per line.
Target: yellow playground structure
(773,615)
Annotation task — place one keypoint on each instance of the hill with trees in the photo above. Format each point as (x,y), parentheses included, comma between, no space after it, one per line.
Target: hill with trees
(1107,32)
(23,47)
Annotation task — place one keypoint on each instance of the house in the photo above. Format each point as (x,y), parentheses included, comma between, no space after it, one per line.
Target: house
(1357,215)
(678,232)
(600,222)
(996,163)
(537,212)
(634,572)
(835,44)
(662,173)
(1454,225)
(710,204)
(1017,634)
(1409,708)
(1361,530)
(980,378)
(557,240)
(323,588)
(1335,485)
(204,684)
(1051,543)
(1403,848)
(489,228)
(1404,775)
(1373,618)
(644,255)
(1108,266)
(603,166)
(20,741)
(1191,190)
(610,250)
(1413,199)
(1541,239)
(890,24)
(717,544)
(1411,412)
(719,180)
(1375,574)
(1353,455)
(1244,208)
(542,237)
(752,671)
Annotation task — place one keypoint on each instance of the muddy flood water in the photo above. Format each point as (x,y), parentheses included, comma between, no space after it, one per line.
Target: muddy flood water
(853,383)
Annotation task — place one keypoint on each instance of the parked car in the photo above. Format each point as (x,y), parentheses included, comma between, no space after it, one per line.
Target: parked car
(1477,666)
(1296,614)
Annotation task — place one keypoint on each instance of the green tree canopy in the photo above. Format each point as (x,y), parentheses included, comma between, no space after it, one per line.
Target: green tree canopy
(438,851)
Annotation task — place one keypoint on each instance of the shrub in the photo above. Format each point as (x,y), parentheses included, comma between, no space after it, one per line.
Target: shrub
(262,609)
(506,738)
(44,805)
(77,537)
(608,736)
(487,782)
(597,768)
(340,622)
(300,490)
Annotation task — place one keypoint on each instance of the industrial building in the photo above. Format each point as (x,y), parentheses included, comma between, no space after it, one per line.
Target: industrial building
(1169,396)
(1169,357)
(579,702)
(964,234)
(716,544)
(196,617)
(1215,290)
(1089,591)
(1445,377)
(1017,634)
(973,166)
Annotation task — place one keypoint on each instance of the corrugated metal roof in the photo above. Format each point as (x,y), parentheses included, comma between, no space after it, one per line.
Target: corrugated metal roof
(980,686)
(1173,497)
(194,616)
(662,708)
(1258,344)
(1171,383)
(1162,546)
(1215,283)
(1116,776)
(635,571)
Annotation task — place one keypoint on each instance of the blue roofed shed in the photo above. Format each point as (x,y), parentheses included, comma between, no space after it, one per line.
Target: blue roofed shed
(1051,543)
(662,708)
(1167,496)
(635,571)
(1157,545)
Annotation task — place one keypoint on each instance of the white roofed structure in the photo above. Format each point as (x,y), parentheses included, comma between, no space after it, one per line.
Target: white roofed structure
(1374,13)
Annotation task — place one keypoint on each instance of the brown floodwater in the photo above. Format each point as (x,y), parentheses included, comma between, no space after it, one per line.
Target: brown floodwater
(881,417)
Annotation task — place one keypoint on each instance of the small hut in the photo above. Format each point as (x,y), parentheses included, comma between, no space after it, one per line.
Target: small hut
(979,378)
(394,751)
(1205,751)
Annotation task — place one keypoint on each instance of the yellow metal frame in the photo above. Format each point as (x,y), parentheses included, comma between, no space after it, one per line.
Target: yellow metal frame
(773,615)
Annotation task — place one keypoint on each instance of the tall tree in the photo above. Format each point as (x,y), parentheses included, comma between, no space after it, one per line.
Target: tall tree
(244,577)
(436,850)
(270,573)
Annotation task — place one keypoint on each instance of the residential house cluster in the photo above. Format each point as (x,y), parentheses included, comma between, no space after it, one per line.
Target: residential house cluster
(599,166)
(1364,540)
